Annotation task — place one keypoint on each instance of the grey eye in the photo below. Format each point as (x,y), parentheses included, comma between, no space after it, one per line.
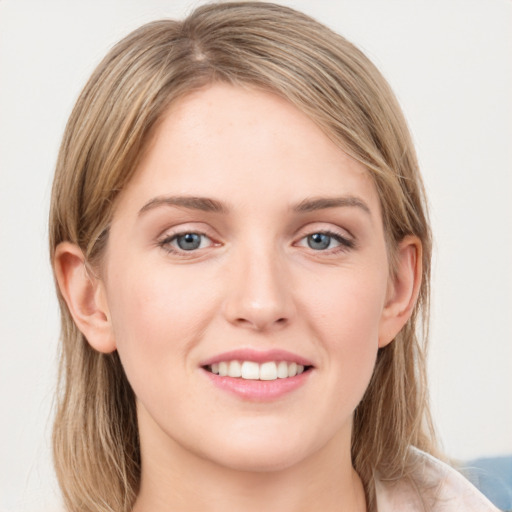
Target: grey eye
(189,241)
(319,241)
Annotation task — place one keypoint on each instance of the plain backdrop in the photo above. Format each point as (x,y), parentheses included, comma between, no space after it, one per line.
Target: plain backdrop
(450,64)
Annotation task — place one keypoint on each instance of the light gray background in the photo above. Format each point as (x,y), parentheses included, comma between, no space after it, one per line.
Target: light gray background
(450,63)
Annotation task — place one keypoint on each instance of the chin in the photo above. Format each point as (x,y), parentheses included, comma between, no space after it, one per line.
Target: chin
(262,449)
(262,459)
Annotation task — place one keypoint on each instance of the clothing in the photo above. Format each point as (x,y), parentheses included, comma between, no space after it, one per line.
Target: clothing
(432,487)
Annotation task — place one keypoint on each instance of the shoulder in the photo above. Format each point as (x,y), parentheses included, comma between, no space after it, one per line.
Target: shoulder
(432,486)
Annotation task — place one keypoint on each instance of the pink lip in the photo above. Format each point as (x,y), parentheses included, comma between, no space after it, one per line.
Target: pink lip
(257,356)
(258,390)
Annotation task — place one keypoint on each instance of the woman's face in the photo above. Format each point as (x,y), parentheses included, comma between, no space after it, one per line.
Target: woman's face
(246,242)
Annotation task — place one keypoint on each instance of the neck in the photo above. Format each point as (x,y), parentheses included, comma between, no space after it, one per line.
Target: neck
(176,479)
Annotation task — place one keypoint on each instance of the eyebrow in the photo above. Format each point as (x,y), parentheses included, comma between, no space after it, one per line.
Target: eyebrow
(204,204)
(321,203)
(207,204)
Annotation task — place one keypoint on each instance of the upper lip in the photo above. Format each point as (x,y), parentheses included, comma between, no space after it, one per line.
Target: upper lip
(257,356)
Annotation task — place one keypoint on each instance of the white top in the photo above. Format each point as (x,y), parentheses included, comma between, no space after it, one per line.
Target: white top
(440,488)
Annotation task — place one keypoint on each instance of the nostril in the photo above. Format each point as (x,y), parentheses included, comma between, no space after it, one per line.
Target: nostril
(261,324)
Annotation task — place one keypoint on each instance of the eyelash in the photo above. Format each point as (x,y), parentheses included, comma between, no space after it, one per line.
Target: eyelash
(166,243)
(345,243)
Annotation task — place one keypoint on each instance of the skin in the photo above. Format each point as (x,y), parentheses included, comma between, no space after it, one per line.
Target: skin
(255,282)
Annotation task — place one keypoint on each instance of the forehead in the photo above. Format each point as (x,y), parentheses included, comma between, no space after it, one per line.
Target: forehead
(234,141)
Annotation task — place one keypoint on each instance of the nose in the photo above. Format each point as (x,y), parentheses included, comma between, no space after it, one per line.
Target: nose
(259,294)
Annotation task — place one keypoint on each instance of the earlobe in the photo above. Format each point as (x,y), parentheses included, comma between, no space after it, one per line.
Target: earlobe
(85,297)
(403,289)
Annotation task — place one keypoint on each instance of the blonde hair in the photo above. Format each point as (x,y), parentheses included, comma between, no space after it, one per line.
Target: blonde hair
(96,447)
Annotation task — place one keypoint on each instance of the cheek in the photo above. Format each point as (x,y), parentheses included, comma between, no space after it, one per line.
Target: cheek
(349,305)
(346,318)
(157,317)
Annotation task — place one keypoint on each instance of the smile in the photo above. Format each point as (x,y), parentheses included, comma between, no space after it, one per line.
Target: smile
(251,370)
(258,375)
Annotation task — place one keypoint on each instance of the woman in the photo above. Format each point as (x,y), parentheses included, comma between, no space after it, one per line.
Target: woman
(242,252)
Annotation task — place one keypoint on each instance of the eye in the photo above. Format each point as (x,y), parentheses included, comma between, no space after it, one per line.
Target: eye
(186,242)
(319,241)
(189,241)
(325,240)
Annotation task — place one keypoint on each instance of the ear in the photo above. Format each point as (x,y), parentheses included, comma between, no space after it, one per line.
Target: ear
(403,289)
(85,297)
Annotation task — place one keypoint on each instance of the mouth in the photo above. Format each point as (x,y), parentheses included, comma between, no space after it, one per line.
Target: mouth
(258,375)
(252,370)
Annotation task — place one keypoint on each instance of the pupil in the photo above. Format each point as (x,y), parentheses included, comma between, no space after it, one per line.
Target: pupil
(189,241)
(319,241)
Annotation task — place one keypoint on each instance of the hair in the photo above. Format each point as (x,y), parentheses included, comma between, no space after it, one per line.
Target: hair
(269,47)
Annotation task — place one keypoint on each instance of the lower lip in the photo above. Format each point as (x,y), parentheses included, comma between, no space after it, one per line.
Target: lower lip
(259,390)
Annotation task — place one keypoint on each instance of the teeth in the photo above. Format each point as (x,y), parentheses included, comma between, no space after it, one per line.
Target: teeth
(282,370)
(250,370)
(235,369)
(268,371)
(223,369)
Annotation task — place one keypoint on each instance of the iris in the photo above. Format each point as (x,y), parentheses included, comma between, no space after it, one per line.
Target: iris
(189,241)
(319,241)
